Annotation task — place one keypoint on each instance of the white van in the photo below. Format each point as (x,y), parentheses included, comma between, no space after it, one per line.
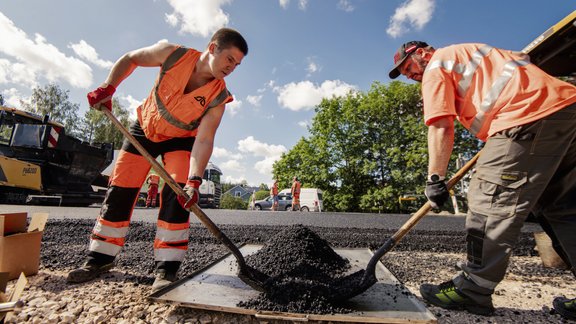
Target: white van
(310,199)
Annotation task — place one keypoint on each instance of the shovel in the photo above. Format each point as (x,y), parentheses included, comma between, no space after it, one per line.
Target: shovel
(249,275)
(358,282)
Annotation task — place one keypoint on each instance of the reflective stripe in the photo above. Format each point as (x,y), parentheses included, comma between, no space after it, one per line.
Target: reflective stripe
(169,254)
(471,68)
(104,247)
(165,235)
(467,71)
(492,96)
(115,232)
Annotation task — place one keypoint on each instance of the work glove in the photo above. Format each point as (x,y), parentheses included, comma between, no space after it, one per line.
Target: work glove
(192,189)
(437,193)
(101,97)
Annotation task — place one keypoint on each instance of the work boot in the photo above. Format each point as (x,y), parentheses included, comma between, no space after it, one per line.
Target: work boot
(163,279)
(447,296)
(565,307)
(88,272)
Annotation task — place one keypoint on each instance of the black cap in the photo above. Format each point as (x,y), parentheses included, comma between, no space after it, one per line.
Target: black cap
(403,52)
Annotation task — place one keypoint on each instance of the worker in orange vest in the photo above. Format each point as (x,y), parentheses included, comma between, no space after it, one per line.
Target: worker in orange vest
(295,190)
(177,121)
(274,194)
(527,118)
(153,181)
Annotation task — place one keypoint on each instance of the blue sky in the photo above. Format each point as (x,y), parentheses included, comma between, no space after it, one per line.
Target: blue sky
(300,52)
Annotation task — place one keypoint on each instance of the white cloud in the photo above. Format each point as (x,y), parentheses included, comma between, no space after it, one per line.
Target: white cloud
(302,4)
(40,59)
(412,14)
(345,5)
(305,95)
(17,73)
(284,3)
(12,98)
(133,103)
(198,17)
(312,67)
(234,107)
(230,179)
(271,153)
(222,153)
(303,123)
(88,53)
(232,166)
(254,100)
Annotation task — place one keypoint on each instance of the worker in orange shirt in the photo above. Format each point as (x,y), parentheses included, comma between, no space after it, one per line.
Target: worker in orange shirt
(177,121)
(274,194)
(527,119)
(295,190)
(153,181)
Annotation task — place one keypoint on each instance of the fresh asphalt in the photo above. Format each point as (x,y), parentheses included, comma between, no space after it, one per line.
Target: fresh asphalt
(432,222)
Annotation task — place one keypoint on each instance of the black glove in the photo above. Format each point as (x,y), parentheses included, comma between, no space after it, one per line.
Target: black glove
(437,193)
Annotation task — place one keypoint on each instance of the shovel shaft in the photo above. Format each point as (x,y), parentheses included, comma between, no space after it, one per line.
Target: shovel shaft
(423,211)
(177,189)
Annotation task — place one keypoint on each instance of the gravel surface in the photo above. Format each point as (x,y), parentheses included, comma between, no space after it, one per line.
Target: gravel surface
(525,296)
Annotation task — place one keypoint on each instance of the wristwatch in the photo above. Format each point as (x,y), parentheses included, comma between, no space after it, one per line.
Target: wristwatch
(435,178)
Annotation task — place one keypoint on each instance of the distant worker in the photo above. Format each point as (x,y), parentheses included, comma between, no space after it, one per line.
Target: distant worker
(177,121)
(527,119)
(274,194)
(295,191)
(153,181)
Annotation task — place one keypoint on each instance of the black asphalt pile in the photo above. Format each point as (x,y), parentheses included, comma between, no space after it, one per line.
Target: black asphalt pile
(304,270)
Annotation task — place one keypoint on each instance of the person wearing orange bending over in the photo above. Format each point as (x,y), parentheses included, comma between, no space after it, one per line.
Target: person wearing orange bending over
(274,194)
(527,120)
(178,121)
(153,181)
(295,194)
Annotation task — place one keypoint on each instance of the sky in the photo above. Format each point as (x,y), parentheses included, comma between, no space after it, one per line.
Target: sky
(300,51)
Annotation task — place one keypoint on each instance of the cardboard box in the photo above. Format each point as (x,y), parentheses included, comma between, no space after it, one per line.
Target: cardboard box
(20,248)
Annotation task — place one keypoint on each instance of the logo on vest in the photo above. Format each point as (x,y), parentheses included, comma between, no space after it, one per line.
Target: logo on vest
(201,100)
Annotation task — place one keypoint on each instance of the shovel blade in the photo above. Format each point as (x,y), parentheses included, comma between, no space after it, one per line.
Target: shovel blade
(352,285)
(253,278)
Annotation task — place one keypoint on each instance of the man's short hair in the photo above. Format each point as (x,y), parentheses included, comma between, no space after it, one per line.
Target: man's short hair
(227,37)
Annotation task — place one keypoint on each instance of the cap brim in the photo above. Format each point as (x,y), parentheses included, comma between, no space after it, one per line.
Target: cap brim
(394,73)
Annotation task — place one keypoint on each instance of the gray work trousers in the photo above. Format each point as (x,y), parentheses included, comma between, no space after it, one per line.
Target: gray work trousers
(526,168)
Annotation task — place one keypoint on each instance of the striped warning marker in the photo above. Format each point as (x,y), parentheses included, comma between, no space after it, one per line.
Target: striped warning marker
(53,136)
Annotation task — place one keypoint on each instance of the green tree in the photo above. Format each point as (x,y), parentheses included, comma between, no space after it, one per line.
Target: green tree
(98,128)
(1,100)
(53,101)
(366,149)
(230,202)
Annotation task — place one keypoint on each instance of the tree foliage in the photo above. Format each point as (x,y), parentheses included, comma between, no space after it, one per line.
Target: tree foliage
(230,202)
(366,149)
(53,101)
(98,128)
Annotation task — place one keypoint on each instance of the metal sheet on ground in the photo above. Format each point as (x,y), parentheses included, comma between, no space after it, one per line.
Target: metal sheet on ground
(217,288)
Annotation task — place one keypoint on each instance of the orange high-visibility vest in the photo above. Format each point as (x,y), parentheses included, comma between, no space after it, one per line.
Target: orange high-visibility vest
(168,112)
(489,89)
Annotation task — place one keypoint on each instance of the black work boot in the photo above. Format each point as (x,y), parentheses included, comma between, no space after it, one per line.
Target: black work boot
(163,279)
(96,265)
(565,307)
(166,273)
(447,296)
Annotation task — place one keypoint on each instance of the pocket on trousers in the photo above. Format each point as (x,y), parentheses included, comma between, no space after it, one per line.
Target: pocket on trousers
(494,192)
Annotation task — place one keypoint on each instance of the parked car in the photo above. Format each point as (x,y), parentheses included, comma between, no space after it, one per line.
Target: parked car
(284,202)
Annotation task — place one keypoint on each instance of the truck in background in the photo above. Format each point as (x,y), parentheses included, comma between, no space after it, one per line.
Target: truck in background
(211,188)
(310,199)
(41,164)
